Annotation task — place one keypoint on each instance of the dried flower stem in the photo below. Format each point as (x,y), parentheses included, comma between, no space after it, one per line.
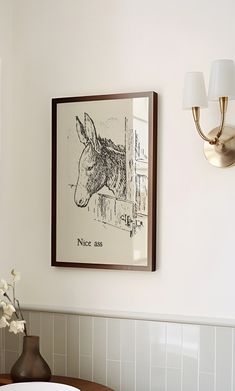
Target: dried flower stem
(22,318)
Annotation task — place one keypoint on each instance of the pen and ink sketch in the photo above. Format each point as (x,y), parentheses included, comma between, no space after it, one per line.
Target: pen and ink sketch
(104,164)
(102,183)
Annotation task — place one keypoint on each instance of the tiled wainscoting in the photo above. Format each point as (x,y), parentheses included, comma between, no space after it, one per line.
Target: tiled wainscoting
(130,355)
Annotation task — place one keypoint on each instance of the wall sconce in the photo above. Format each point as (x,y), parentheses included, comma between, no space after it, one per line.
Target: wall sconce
(219,146)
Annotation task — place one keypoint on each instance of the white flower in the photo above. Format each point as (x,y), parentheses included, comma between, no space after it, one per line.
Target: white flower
(9,305)
(3,322)
(15,275)
(3,286)
(8,310)
(17,326)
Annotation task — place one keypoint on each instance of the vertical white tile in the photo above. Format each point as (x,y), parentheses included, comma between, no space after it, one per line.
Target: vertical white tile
(223,358)
(158,379)
(113,348)
(73,346)
(128,376)
(3,369)
(1,362)
(46,339)
(34,323)
(233,354)
(60,365)
(127,340)
(190,374)
(173,379)
(190,351)
(86,335)
(206,382)
(1,340)
(207,349)
(174,345)
(191,339)
(2,352)
(142,355)
(12,342)
(113,375)
(99,350)
(158,344)
(86,367)
(60,334)
(10,359)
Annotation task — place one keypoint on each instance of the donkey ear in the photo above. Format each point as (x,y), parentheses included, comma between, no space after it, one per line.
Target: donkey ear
(91,133)
(81,131)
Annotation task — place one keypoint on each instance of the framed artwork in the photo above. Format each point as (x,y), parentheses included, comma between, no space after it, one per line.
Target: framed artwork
(104,176)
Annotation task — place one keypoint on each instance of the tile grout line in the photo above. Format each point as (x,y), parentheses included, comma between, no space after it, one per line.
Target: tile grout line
(4,350)
(53,342)
(198,359)
(60,355)
(92,347)
(182,356)
(150,364)
(40,329)
(120,347)
(215,361)
(232,358)
(165,356)
(66,345)
(106,351)
(135,354)
(79,349)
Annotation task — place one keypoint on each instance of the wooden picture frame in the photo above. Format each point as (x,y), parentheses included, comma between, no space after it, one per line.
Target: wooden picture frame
(104,177)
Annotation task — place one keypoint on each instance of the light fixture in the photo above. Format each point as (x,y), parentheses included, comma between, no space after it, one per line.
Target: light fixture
(219,147)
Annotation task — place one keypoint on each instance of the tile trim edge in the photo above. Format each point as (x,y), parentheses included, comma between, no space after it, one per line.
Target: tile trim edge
(169,318)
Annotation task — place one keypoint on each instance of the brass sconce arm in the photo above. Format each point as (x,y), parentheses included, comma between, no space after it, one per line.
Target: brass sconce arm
(196,116)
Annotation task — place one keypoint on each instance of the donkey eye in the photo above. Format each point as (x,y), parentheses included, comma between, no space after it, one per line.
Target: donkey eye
(90,168)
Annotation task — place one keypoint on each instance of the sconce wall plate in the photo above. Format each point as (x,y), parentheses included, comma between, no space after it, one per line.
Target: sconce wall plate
(221,154)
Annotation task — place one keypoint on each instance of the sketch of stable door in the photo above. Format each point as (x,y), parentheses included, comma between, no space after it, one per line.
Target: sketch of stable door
(129,212)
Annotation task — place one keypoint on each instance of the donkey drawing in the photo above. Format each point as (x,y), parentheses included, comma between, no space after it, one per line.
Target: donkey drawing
(102,163)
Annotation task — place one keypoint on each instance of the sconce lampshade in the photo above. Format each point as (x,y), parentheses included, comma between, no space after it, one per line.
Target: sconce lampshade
(222,80)
(194,91)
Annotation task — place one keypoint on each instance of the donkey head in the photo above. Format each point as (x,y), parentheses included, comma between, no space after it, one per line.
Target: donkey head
(91,165)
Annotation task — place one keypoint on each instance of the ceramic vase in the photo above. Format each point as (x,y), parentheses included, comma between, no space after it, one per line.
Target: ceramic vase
(30,366)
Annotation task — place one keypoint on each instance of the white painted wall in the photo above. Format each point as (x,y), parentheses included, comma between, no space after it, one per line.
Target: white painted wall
(77,47)
(6,115)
